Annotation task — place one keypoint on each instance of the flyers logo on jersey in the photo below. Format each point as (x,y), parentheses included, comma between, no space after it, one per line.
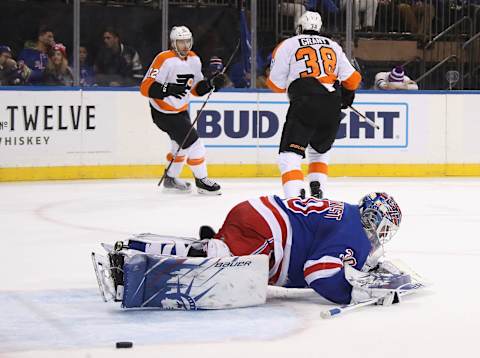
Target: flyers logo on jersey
(186,79)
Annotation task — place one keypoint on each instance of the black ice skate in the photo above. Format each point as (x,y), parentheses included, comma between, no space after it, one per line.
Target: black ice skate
(315,190)
(207,186)
(176,185)
(302,194)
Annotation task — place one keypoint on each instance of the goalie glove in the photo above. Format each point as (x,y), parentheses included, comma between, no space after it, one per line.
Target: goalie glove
(382,286)
(373,260)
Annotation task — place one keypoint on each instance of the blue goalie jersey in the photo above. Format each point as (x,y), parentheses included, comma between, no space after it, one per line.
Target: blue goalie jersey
(313,240)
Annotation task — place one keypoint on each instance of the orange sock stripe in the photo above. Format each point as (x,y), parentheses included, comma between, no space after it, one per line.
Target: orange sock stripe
(318,167)
(292,175)
(196,161)
(178,159)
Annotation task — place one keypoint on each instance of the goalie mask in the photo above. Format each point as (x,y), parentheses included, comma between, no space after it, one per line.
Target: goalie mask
(381,217)
(181,40)
(309,21)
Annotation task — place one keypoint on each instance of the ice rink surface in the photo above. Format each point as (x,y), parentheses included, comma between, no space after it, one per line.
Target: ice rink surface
(50,305)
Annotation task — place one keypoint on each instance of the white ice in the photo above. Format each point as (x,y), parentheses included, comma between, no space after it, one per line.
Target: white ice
(50,305)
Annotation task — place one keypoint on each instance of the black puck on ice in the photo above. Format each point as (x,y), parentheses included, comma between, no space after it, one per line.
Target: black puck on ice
(124,345)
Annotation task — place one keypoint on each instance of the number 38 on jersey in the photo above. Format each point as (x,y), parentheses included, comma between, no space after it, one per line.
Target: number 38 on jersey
(318,62)
(311,56)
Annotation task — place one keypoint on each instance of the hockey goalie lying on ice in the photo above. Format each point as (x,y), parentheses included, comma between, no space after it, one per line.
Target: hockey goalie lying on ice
(333,247)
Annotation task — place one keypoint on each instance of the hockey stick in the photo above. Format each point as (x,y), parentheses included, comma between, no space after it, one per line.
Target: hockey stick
(368,120)
(197,116)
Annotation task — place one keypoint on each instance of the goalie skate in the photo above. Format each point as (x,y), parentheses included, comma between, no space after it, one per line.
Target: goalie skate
(103,270)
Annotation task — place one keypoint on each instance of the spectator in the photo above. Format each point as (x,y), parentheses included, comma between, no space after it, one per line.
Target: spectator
(323,6)
(57,72)
(215,66)
(11,72)
(394,80)
(262,78)
(294,8)
(35,54)
(417,16)
(87,73)
(239,75)
(116,63)
(369,10)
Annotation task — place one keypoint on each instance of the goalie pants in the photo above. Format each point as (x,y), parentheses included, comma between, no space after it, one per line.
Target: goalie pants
(176,125)
(312,118)
(246,232)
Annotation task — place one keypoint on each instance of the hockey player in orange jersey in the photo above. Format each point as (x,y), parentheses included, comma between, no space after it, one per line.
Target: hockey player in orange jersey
(173,76)
(319,80)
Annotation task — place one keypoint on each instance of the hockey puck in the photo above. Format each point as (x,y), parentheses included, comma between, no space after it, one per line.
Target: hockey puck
(124,345)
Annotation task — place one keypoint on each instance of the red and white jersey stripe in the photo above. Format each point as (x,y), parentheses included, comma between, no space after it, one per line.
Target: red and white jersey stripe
(324,267)
(281,230)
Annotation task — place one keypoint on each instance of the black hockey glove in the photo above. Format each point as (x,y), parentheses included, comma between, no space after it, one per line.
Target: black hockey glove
(174,89)
(215,83)
(218,81)
(347,98)
(162,90)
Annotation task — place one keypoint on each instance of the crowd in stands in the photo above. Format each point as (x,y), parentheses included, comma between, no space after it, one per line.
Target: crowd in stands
(411,16)
(45,60)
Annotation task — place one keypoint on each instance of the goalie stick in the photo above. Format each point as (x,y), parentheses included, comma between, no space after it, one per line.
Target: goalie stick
(354,306)
(417,282)
(196,117)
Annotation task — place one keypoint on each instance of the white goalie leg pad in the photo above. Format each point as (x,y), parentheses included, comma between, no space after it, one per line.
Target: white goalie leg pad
(101,266)
(161,244)
(217,248)
(194,283)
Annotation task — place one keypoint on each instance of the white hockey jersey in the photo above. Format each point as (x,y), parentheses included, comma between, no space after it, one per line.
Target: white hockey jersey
(168,67)
(311,56)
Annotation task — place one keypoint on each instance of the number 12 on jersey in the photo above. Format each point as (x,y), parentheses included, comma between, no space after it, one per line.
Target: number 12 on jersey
(323,61)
